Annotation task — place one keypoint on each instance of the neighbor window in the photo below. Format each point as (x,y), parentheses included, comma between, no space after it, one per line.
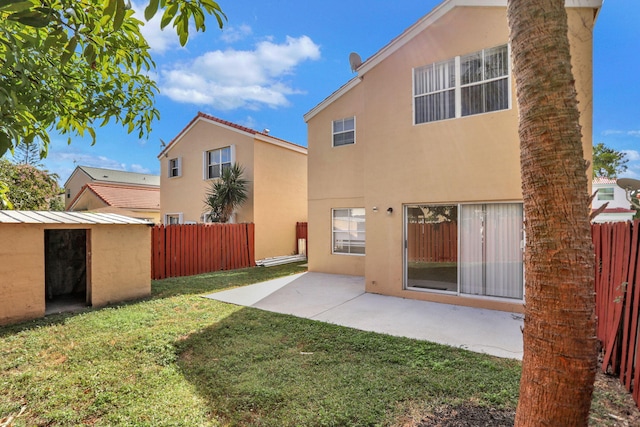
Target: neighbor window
(217,161)
(175,168)
(605,193)
(462,86)
(170,219)
(348,231)
(344,131)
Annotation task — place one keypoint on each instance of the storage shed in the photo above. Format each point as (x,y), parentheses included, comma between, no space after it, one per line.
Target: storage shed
(49,259)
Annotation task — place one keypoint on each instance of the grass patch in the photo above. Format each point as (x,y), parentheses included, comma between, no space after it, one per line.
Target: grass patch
(177,359)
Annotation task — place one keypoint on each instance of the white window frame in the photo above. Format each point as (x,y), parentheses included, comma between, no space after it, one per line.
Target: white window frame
(458,86)
(334,231)
(206,164)
(177,215)
(177,167)
(609,193)
(335,133)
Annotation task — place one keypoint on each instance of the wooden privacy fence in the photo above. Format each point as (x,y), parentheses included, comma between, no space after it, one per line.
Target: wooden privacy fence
(185,250)
(617,286)
(432,242)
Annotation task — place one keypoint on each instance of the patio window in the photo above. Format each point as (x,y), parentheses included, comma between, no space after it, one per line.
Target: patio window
(348,231)
(471,249)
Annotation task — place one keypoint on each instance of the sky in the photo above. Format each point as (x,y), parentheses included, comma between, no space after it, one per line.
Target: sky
(275,60)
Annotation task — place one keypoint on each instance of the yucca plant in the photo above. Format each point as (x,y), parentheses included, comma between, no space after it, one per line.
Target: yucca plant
(226,194)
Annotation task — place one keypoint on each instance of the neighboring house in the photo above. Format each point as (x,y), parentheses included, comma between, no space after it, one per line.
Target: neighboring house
(276,170)
(135,201)
(113,191)
(414,164)
(618,209)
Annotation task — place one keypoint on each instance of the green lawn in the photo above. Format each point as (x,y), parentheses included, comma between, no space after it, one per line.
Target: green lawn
(177,359)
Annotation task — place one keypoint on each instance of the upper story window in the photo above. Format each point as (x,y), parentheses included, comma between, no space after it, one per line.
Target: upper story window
(344,131)
(435,97)
(175,167)
(465,85)
(605,193)
(484,79)
(216,161)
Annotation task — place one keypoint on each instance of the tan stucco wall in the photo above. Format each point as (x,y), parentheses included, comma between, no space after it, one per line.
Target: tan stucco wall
(186,194)
(280,198)
(120,266)
(88,201)
(469,159)
(120,263)
(21,273)
(336,180)
(74,184)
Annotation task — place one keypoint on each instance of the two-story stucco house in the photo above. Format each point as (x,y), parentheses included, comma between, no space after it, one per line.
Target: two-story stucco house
(113,191)
(414,169)
(276,170)
(618,207)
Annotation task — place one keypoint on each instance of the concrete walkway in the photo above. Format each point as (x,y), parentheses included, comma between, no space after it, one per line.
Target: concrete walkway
(342,300)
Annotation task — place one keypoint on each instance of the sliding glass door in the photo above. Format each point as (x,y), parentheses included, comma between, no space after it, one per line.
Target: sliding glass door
(432,247)
(473,249)
(490,250)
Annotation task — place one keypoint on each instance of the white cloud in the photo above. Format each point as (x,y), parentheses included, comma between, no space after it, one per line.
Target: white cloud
(235,78)
(608,132)
(612,132)
(632,155)
(234,34)
(64,159)
(159,40)
(139,169)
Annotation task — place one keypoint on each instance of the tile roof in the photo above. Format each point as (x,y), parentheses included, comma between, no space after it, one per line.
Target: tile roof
(232,125)
(124,196)
(603,180)
(618,210)
(111,175)
(51,217)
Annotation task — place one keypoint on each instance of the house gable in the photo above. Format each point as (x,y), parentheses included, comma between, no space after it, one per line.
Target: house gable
(415,30)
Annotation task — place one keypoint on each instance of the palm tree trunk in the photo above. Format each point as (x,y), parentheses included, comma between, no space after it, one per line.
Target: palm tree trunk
(560,347)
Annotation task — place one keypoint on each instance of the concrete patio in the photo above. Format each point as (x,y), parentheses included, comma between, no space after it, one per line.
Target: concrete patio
(342,300)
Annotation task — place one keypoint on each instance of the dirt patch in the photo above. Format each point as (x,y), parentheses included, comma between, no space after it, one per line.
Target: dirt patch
(612,406)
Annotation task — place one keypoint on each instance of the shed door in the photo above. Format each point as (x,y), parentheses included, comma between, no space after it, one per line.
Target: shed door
(66,264)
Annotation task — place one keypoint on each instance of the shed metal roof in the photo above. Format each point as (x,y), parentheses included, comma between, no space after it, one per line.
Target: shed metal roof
(49,217)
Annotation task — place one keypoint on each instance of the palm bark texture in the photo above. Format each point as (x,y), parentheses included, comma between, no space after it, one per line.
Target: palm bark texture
(560,346)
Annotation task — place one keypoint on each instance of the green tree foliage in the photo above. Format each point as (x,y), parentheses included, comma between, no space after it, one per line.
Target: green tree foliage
(608,162)
(30,188)
(226,194)
(71,65)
